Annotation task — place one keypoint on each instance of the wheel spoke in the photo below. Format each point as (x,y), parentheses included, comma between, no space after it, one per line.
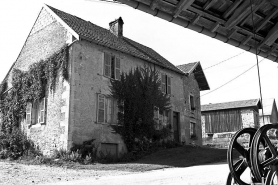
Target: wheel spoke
(268,162)
(241,168)
(271,147)
(240,149)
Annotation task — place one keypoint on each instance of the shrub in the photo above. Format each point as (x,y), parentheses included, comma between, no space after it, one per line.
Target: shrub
(16,144)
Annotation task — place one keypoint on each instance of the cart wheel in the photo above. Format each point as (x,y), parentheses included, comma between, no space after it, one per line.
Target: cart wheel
(263,156)
(240,147)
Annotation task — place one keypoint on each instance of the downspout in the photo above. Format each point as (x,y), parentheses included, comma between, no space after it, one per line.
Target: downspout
(199,29)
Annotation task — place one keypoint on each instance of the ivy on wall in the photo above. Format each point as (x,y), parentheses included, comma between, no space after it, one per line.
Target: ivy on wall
(29,86)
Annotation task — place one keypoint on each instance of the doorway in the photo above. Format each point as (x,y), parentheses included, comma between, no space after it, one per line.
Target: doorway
(176,119)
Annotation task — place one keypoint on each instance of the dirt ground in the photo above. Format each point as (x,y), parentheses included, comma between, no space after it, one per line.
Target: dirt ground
(20,173)
(12,173)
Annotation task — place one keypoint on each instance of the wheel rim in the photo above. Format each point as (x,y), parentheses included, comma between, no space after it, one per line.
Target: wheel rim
(260,167)
(272,178)
(236,146)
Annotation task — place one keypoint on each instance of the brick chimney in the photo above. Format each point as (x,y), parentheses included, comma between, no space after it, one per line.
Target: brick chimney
(116,27)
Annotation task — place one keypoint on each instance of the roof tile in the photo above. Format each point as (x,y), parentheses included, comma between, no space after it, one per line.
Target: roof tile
(104,37)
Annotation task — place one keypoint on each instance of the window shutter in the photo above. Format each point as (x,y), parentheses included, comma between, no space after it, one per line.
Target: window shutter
(29,114)
(117,69)
(101,109)
(168,85)
(163,83)
(107,65)
(42,111)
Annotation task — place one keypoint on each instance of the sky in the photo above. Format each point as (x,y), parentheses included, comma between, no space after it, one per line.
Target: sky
(221,62)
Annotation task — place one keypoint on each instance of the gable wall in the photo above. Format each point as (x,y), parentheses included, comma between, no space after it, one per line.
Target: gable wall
(88,81)
(47,37)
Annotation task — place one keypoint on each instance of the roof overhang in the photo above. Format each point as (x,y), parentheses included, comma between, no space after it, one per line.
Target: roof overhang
(230,21)
(200,76)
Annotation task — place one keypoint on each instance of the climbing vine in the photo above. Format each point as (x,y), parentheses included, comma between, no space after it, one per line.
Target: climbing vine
(29,86)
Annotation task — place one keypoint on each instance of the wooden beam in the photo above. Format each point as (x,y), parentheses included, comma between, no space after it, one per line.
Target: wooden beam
(274,2)
(154,4)
(271,36)
(182,5)
(196,19)
(274,47)
(239,14)
(266,19)
(230,34)
(244,42)
(231,8)
(215,27)
(209,4)
(250,15)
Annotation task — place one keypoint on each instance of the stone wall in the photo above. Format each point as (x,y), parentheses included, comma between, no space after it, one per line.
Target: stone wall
(47,37)
(88,81)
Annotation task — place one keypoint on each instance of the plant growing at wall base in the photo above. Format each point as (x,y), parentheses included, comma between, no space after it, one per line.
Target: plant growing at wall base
(138,94)
(29,86)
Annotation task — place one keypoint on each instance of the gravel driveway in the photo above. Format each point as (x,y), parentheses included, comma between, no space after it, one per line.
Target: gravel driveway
(12,173)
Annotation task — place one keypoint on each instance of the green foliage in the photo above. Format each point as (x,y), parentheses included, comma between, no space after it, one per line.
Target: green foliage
(31,85)
(15,144)
(138,94)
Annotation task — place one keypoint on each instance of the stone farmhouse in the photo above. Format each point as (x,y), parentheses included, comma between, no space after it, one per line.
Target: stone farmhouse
(221,120)
(80,109)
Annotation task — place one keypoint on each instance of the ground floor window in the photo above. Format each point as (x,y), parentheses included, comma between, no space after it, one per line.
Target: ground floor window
(35,112)
(107,109)
(193,130)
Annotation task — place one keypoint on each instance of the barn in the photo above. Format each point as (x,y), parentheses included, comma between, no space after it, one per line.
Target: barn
(221,120)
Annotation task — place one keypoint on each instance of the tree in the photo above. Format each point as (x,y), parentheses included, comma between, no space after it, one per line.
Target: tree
(138,94)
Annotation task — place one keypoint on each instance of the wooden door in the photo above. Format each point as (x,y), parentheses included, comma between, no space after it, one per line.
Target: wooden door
(176,128)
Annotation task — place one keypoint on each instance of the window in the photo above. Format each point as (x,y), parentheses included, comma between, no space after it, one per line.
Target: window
(107,110)
(165,84)
(161,118)
(192,103)
(35,112)
(111,66)
(192,130)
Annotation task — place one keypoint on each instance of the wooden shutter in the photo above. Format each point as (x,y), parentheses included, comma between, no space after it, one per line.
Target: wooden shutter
(117,69)
(42,111)
(101,109)
(163,83)
(168,85)
(107,65)
(29,114)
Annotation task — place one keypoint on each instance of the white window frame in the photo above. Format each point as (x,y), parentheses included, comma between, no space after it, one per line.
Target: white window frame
(109,109)
(111,66)
(35,112)
(166,83)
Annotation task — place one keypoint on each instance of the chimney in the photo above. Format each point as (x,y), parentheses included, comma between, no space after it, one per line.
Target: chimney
(116,27)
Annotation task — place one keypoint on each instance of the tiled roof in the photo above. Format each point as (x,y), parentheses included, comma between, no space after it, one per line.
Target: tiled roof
(232,105)
(104,37)
(186,68)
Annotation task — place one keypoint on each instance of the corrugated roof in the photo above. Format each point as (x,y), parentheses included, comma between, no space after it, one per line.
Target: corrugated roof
(102,36)
(232,105)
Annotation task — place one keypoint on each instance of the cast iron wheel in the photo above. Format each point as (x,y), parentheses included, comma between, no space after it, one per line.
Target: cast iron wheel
(272,176)
(238,168)
(230,180)
(260,166)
